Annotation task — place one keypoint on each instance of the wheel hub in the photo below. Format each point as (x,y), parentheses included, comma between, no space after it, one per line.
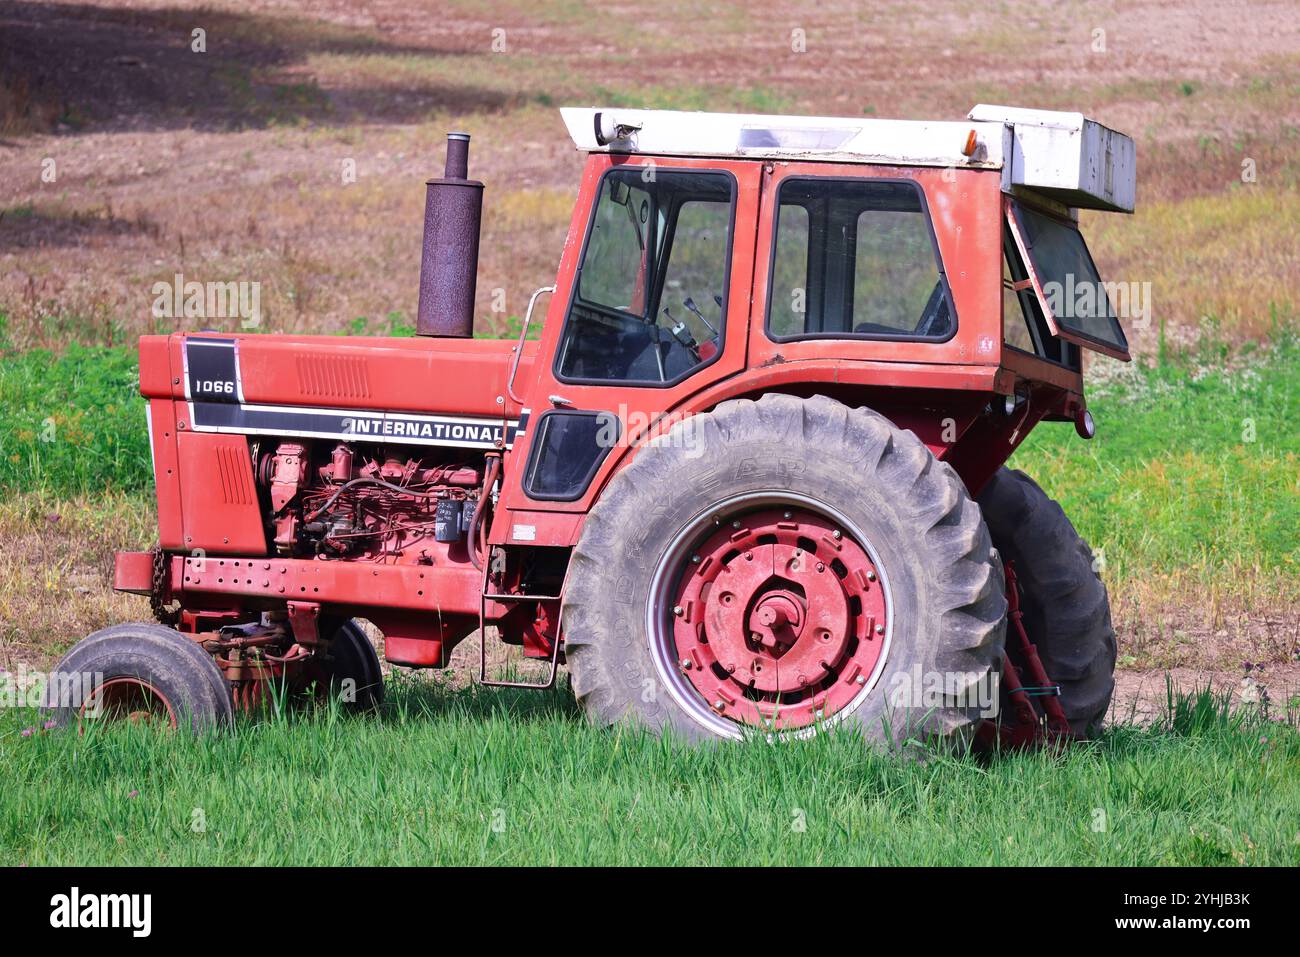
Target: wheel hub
(130,699)
(778,618)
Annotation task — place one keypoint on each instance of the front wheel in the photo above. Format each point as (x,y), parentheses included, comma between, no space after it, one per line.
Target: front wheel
(779,565)
(350,671)
(139,672)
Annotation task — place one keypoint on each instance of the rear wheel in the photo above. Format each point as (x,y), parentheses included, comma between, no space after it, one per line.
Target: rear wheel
(1065,608)
(139,672)
(777,565)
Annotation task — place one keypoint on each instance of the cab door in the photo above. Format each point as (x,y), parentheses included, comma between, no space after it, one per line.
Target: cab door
(652,305)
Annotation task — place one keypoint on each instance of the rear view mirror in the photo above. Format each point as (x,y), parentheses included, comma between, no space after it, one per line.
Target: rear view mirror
(619,191)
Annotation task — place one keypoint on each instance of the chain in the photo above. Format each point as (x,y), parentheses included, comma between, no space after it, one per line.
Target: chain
(160,611)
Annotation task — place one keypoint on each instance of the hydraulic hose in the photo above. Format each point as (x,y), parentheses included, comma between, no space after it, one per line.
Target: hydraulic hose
(494,470)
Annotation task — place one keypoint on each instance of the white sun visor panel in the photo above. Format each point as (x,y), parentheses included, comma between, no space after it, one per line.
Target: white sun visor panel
(829,138)
(1068,157)
(1063,156)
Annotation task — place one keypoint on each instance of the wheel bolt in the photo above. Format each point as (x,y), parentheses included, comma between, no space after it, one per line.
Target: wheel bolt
(719,705)
(871,576)
(821,567)
(695,559)
(787,516)
(837,534)
(686,664)
(880,629)
(861,679)
(735,525)
(678,610)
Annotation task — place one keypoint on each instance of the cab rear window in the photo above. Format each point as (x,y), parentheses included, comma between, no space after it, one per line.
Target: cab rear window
(1065,278)
(1024,327)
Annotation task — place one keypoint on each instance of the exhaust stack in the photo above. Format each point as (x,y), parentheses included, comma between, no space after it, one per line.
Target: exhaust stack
(453,211)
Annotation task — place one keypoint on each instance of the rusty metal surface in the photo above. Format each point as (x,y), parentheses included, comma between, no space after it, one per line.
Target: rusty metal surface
(778,618)
(133,572)
(453,209)
(448,589)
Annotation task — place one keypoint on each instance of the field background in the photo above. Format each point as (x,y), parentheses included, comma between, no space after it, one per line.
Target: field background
(227,165)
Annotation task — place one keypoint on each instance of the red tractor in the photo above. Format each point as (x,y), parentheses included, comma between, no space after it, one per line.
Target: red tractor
(749,478)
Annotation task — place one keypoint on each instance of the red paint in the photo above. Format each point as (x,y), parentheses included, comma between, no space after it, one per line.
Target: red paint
(1024,727)
(773,633)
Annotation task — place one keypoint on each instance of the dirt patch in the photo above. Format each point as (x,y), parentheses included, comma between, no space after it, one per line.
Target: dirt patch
(56,575)
(1142,696)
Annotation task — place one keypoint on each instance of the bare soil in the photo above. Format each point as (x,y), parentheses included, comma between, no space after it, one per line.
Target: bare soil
(1141,696)
(228,163)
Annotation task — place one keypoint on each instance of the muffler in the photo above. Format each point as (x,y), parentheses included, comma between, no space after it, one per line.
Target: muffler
(453,213)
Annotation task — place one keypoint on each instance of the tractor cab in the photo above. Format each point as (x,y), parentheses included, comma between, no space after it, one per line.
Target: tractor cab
(897,264)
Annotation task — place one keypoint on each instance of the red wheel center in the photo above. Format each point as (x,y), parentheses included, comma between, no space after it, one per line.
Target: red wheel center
(776,619)
(131,699)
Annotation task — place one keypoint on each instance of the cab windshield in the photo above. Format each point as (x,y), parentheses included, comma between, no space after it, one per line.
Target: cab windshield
(650,294)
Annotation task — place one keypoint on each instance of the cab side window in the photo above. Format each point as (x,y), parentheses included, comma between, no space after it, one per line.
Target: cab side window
(856,259)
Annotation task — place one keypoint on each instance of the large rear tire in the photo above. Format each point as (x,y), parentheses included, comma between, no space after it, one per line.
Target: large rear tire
(1065,608)
(784,564)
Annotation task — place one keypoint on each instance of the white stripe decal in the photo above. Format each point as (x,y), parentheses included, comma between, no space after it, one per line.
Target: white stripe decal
(353,425)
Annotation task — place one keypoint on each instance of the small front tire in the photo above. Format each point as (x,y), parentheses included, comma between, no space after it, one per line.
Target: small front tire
(352,672)
(139,671)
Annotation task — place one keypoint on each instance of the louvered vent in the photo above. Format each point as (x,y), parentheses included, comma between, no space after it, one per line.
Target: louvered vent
(336,377)
(236,472)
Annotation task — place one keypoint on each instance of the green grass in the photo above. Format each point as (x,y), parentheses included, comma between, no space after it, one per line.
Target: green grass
(1191,471)
(1170,487)
(484,776)
(73,423)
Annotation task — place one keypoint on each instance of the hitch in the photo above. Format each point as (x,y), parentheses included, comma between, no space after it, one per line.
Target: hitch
(1028,729)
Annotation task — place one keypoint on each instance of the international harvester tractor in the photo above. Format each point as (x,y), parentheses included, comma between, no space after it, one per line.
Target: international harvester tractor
(749,478)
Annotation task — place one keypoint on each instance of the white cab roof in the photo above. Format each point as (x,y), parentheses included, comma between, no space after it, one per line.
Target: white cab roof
(1064,155)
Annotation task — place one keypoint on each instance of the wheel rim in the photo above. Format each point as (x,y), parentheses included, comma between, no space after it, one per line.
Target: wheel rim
(128,699)
(769,613)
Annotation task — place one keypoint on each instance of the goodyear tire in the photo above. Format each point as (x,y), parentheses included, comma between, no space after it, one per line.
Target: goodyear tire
(875,549)
(1066,611)
(139,671)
